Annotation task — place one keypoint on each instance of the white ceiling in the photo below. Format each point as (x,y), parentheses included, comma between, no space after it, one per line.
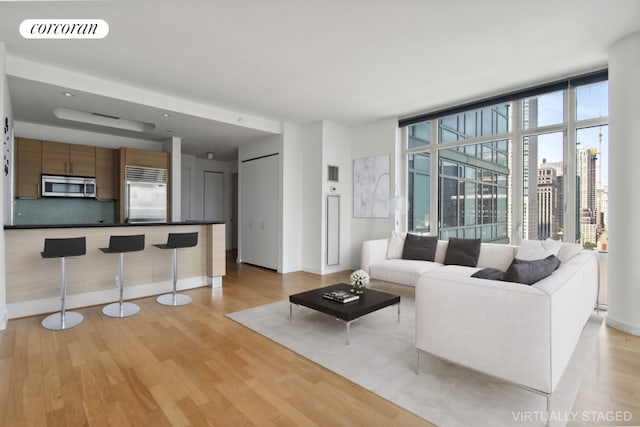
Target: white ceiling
(349,62)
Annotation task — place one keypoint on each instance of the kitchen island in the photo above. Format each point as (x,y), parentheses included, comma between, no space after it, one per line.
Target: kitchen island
(32,283)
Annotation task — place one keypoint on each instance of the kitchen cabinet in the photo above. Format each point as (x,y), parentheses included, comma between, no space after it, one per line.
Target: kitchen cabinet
(106,177)
(149,159)
(68,159)
(28,167)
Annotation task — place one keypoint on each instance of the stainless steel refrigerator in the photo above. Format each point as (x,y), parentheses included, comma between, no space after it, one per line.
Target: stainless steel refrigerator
(145,194)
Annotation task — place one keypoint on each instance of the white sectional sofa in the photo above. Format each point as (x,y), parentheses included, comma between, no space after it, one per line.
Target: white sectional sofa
(524,334)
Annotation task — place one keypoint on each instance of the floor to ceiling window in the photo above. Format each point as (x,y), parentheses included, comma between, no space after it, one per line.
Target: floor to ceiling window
(482,191)
(532,167)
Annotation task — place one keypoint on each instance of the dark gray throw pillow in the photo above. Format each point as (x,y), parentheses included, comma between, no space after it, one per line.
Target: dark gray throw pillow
(462,252)
(529,272)
(422,248)
(489,273)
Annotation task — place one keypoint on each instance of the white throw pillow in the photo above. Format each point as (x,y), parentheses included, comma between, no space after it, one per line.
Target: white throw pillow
(551,247)
(530,250)
(396,245)
(568,251)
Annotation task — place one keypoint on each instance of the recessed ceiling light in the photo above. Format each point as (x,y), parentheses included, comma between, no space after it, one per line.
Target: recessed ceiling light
(166,115)
(68,94)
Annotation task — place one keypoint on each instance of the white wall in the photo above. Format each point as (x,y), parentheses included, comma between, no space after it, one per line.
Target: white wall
(292,204)
(173,146)
(336,151)
(188,162)
(8,153)
(4,101)
(373,139)
(325,143)
(624,234)
(312,179)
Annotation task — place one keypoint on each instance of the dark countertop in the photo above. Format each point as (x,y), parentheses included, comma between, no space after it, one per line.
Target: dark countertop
(137,224)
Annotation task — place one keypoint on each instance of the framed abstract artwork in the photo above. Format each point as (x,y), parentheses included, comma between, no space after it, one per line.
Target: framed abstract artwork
(371,187)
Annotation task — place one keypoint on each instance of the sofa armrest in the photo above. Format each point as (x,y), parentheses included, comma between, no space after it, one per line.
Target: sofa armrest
(498,328)
(373,251)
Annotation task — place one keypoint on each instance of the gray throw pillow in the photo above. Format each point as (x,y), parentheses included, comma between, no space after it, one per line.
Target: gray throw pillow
(489,273)
(422,248)
(462,252)
(529,272)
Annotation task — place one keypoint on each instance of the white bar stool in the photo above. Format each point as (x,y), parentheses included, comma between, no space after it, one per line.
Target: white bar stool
(176,241)
(121,245)
(63,248)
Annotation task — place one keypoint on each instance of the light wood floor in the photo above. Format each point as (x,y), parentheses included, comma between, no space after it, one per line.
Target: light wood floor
(192,366)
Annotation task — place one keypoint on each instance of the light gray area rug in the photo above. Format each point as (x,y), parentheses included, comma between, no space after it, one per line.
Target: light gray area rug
(382,358)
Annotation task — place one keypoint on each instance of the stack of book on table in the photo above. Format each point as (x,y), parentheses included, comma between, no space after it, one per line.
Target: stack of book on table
(340,296)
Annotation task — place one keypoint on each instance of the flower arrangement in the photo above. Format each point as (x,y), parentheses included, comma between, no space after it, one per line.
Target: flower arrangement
(359,280)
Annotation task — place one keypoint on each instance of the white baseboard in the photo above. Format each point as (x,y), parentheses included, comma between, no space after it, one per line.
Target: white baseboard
(87,299)
(622,326)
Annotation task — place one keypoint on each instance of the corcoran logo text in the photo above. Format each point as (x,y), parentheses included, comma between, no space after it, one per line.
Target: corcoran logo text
(64,28)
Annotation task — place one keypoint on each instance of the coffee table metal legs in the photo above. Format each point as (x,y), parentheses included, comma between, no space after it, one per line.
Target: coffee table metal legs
(346,322)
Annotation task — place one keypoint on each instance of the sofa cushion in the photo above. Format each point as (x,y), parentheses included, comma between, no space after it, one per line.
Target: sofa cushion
(496,255)
(420,247)
(568,251)
(463,252)
(529,272)
(489,273)
(458,271)
(401,271)
(396,245)
(530,250)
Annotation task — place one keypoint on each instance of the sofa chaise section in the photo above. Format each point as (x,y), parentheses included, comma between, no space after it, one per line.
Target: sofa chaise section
(522,334)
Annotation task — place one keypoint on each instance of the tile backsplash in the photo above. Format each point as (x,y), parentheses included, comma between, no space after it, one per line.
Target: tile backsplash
(63,210)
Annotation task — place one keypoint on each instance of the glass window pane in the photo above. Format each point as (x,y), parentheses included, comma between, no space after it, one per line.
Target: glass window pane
(543,186)
(420,135)
(592,150)
(449,202)
(492,120)
(543,110)
(419,199)
(469,215)
(592,101)
(470,198)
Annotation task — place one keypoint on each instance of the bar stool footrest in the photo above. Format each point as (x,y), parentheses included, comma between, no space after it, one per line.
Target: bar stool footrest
(117,309)
(54,321)
(174,299)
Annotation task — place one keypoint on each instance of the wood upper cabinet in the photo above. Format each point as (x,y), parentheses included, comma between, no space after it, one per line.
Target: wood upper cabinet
(68,159)
(28,167)
(82,160)
(150,159)
(106,177)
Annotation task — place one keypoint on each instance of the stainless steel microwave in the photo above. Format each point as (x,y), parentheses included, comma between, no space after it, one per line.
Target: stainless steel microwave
(68,186)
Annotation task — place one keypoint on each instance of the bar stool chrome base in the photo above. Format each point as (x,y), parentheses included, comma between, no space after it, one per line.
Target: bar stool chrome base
(174,300)
(118,309)
(55,321)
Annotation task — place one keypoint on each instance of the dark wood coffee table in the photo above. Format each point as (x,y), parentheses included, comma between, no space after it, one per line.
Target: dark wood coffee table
(371,300)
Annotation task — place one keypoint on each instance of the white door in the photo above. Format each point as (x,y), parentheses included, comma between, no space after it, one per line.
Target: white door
(213,196)
(259,181)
